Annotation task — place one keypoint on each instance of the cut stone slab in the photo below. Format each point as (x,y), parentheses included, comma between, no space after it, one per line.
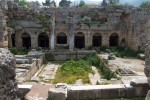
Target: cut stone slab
(38,92)
(57,94)
(139,82)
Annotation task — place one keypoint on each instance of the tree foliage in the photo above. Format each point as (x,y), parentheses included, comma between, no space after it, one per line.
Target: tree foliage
(113,2)
(145,4)
(21,2)
(82,3)
(64,3)
(104,3)
(47,3)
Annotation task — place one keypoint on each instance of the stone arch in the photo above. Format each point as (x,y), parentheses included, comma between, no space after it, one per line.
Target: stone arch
(43,40)
(113,40)
(79,40)
(97,40)
(61,38)
(13,40)
(26,40)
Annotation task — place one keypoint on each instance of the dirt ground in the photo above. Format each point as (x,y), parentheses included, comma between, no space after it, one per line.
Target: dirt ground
(135,65)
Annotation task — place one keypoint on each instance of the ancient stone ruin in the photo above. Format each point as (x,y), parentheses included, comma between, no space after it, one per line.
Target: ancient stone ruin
(8,85)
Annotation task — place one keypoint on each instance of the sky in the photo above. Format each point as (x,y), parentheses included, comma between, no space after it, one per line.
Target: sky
(133,2)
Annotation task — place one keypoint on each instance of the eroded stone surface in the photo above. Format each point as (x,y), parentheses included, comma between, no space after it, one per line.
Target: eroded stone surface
(8,85)
(147,66)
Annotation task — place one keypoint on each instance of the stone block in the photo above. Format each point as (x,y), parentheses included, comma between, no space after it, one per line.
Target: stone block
(57,94)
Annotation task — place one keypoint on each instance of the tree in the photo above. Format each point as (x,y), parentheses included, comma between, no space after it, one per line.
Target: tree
(47,3)
(82,3)
(64,3)
(22,2)
(145,4)
(113,2)
(104,3)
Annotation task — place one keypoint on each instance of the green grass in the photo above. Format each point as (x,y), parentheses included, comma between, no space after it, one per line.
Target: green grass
(79,69)
(72,71)
(17,51)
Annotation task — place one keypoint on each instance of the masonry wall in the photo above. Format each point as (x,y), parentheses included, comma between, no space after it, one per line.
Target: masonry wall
(128,24)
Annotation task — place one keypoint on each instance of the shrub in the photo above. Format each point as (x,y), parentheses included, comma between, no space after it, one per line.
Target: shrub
(17,51)
(92,60)
(105,71)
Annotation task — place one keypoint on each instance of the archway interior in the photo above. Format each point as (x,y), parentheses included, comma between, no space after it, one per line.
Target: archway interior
(61,38)
(26,40)
(79,40)
(13,40)
(97,40)
(43,40)
(113,40)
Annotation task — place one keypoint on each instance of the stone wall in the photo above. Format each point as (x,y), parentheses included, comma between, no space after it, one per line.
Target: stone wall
(129,24)
(8,85)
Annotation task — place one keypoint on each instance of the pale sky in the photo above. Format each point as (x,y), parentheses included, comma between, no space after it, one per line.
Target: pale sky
(57,1)
(132,2)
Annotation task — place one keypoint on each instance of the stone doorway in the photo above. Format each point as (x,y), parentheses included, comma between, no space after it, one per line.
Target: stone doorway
(79,40)
(43,40)
(13,40)
(61,38)
(26,40)
(97,40)
(113,40)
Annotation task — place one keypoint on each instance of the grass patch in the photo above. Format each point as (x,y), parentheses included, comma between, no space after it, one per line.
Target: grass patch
(79,69)
(17,51)
(72,71)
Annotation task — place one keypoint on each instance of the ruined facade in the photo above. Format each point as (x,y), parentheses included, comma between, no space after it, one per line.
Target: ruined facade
(71,28)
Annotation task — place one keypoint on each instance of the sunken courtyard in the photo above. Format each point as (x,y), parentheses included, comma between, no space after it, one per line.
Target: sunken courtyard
(74,53)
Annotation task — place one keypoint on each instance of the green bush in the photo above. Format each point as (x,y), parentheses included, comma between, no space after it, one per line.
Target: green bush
(92,60)
(17,51)
(105,71)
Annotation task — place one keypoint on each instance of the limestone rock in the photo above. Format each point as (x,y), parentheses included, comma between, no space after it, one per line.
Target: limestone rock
(8,85)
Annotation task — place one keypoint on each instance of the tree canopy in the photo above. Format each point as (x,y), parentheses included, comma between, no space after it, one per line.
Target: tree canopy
(21,2)
(82,3)
(114,2)
(64,3)
(145,4)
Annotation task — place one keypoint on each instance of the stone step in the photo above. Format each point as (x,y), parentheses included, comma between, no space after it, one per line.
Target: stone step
(38,92)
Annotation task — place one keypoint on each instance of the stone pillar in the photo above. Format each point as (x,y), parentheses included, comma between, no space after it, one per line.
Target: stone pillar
(71,34)
(18,40)
(34,42)
(52,41)
(105,39)
(8,84)
(88,39)
(9,41)
(52,37)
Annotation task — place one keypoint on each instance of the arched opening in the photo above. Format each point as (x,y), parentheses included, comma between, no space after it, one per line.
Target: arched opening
(97,40)
(61,38)
(26,40)
(43,40)
(114,40)
(13,40)
(79,40)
